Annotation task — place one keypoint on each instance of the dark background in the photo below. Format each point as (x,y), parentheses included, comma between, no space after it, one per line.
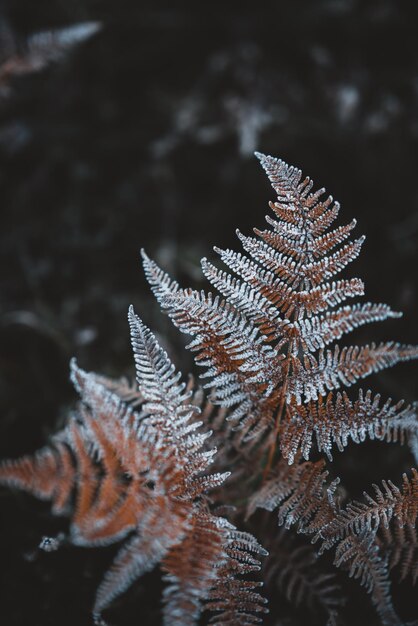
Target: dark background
(144,137)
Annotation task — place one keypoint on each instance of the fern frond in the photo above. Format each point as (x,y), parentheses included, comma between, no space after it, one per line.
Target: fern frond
(360,555)
(240,365)
(132,462)
(190,568)
(48,475)
(160,282)
(318,331)
(314,377)
(400,544)
(312,301)
(204,571)
(294,569)
(366,517)
(264,344)
(164,395)
(337,419)
(144,473)
(235,599)
(283,241)
(158,532)
(300,494)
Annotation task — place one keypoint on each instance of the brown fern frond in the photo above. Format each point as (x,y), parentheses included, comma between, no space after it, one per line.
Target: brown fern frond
(287,300)
(400,544)
(133,462)
(240,365)
(234,599)
(302,497)
(264,344)
(312,301)
(190,570)
(293,568)
(360,555)
(285,242)
(143,473)
(388,502)
(48,475)
(337,419)
(300,494)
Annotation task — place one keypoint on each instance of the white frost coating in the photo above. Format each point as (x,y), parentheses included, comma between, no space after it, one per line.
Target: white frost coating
(268,336)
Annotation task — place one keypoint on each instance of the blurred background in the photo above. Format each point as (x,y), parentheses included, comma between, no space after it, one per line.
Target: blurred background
(136,128)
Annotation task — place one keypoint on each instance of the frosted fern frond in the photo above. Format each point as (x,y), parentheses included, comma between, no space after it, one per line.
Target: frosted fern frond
(353,532)
(164,395)
(264,343)
(236,600)
(190,570)
(205,571)
(389,502)
(138,556)
(137,463)
(48,475)
(315,376)
(318,331)
(160,282)
(301,495)
(400,543)
(360,555)
(242,368)
(282,298)
(142,473)
(336,420)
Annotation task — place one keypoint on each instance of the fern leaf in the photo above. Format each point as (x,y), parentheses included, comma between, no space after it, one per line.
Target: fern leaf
(48,475)
(401,546)
(366,517)
(160,282)
(318,331)
(336,420)
(235,599)
(277,310)
(156,377)
(138,556)
(300,494)
(294,569)
(239,363)
(360,555)
(145,474)
(190,568)
(330,370)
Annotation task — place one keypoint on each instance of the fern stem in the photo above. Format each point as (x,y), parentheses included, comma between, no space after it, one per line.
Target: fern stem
(279,414)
